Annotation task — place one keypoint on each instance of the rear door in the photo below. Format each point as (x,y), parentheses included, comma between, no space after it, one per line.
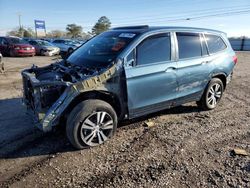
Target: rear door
(193,66)
(150,75)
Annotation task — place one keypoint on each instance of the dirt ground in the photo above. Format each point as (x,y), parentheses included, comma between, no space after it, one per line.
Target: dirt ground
(186,148)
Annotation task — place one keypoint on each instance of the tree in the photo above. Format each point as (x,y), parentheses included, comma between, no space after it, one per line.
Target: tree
(74,30)
(103,24)
(21,32)
(86,36)
(28,32)
(56,34)
(14,32)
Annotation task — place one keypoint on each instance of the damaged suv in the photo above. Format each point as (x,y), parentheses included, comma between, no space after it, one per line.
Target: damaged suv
(125,73)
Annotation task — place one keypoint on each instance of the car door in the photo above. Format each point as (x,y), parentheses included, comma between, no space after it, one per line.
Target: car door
(36,46)
(193,66)
(4,46)
(150,75)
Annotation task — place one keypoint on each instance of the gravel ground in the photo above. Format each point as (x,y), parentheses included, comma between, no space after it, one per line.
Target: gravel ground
(186,147)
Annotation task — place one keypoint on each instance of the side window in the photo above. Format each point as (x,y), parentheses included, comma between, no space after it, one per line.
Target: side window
(1,41)
(154,49)
(5,42)
(189,45)
(33,42)
(215,43)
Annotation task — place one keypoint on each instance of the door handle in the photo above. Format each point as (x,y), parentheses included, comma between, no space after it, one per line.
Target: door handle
(170,69)
(205,62)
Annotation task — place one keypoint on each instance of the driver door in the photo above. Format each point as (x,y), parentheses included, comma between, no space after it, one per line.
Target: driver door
(151,75)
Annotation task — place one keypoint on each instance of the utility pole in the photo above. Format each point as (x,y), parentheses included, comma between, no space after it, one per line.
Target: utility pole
(20,26)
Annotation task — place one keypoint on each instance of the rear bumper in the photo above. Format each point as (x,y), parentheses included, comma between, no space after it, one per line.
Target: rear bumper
(229,77)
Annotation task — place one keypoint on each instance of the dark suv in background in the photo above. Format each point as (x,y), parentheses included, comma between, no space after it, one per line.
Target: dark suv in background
(126,73)
(14,46)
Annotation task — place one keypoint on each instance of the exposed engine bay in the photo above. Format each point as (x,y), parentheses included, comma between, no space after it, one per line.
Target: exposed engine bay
(64,72)
(53,80)
(49,90)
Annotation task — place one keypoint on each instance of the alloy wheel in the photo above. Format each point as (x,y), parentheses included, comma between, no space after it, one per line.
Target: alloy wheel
(214,94)
(96,128)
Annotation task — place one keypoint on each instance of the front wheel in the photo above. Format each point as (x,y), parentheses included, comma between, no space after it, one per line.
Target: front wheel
(212,94)
(91,123)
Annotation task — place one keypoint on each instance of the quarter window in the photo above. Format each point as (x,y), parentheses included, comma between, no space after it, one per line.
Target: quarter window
(215,43)
(189,45)
(154,49)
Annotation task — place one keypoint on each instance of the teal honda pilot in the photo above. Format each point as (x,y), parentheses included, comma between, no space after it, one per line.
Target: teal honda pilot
(125,73)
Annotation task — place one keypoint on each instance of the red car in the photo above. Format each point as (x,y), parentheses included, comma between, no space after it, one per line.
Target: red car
(14,46)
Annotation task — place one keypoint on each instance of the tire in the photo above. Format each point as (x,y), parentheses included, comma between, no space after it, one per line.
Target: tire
(42,52)
(82,128)
(212,94)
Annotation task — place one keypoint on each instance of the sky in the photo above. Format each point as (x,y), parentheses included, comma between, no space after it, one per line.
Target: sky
(230,16)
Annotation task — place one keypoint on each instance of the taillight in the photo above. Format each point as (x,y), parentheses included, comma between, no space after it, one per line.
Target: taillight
(235,59)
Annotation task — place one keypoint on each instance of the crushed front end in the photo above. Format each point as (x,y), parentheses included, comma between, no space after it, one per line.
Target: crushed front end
(47,91)
(43,88)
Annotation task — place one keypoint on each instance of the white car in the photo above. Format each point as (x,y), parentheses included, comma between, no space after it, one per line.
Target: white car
(65,45)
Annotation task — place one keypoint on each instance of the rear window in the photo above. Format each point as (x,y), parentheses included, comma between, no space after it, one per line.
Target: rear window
(215,43)
(189,45)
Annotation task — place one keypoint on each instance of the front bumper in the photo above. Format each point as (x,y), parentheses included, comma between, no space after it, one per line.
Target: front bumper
(44,118)
(24,52)
(52,52)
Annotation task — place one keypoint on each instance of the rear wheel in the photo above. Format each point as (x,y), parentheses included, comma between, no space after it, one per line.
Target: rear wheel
(212,94)
(91,123)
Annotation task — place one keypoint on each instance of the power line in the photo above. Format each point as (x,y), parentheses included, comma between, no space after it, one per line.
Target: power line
(188,17)
(173,17)
(210,10)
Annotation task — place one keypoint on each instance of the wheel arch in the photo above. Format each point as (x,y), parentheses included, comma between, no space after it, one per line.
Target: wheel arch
(223,77)
(108,97)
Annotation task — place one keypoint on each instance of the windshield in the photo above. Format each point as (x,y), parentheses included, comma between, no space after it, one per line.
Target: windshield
(17,41)
(44,43)
(101,50)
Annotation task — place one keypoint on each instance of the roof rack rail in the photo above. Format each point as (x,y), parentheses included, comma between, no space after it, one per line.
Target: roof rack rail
(132,27)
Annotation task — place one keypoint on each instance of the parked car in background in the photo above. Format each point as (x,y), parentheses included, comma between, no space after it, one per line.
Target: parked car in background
(44,48)
(15,46)
(28,38)
(126,73)
(65,45)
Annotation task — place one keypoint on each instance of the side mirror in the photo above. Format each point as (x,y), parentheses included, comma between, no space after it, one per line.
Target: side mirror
(130,63)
